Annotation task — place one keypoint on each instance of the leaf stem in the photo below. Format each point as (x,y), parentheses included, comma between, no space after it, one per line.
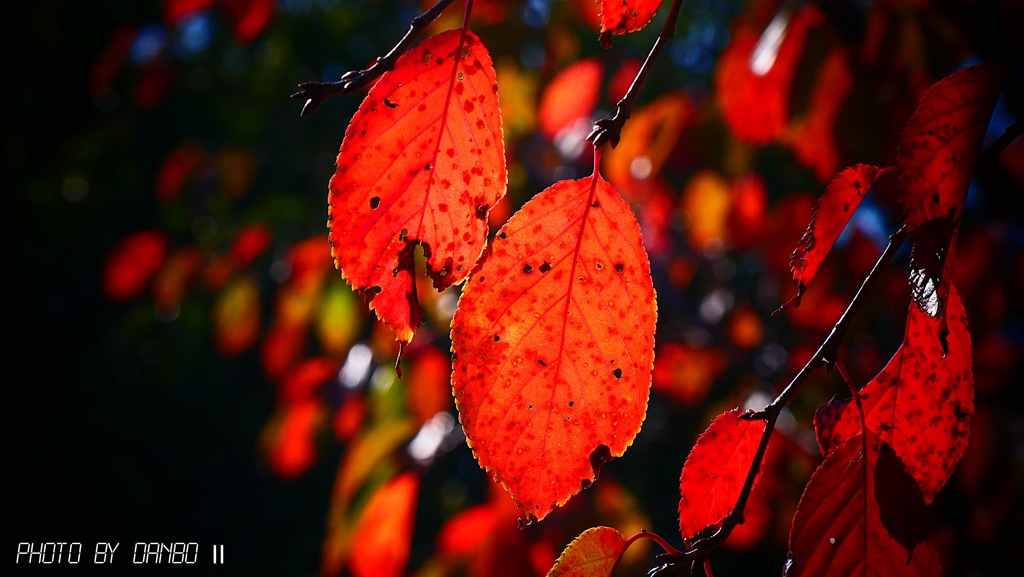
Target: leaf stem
(316,93)
(610,129)
(825,355)
(644,533)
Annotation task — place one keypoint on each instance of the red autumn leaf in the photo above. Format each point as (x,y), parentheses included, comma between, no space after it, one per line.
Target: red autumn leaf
(941,142)
(813,138)
(465,532)
(920,404)
(622,79)
(686,373)
(310,262)
(764,498)
(133,263)
(302,381)
(177,11)
(831,214)
(755,104)
(250,242)
(622,16)
(110,62)
(383,535)
(292,452)
(844,526)
(248,17)
(715,471)
(748,218)
(428,388)
(422,161)
(572,94)
(554,342)
(349,416)
(236,317)
(593,554)
(281,347)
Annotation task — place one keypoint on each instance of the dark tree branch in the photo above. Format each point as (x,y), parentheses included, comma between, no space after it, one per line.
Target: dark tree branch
(610,129)
(316,93)
(992,152)
(825,355)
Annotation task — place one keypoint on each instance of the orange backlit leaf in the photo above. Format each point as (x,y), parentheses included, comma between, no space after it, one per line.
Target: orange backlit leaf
(748,217)
(707,199)
(572,94)
(464,534)
(364,454)
(517,94)
(236,317)
(422,162)
(622,16)
(940,144)
(746,329)
(172,282)
(133,263)
(340,319)
(593,554)
(861,514)
(553,343)
(383,534)
(813,138)
(756,106)
(617,507)
(714,473)
(428,388)
(686,374)
(831,214)
(647,140)
(920,404)
(292,452)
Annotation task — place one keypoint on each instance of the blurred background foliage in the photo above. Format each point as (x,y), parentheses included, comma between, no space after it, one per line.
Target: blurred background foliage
(196,370)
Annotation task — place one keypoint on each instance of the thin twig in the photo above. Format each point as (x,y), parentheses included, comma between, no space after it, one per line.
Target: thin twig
(644,533)
(610,129)
(1009,135)
(316,93)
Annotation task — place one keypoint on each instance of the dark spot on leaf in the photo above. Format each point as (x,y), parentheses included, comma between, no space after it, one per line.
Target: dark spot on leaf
(502,235)
(618,268)
(595,204)
(617,373)
(544,267)
(496,338)
(375,202)
(541,362)
(527,269)
(481,211)
(390,104)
